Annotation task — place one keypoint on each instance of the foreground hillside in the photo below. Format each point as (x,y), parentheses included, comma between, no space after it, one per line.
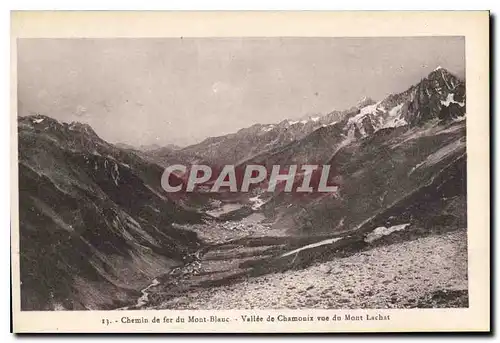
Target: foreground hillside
(425,272)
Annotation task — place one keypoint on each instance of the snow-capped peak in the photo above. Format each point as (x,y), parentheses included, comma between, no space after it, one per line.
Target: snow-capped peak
(438,68)
(303,120)
(267,128)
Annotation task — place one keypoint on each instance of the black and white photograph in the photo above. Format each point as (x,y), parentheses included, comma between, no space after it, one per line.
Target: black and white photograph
(243,173)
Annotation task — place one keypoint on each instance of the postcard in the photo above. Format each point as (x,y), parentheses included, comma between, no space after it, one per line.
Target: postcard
(255,172)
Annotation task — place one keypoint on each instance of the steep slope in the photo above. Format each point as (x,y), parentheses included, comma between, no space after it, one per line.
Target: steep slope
(95,224)
(375,173)
(378,154)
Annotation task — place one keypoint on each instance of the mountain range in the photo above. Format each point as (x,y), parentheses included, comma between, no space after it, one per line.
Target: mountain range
(96,225)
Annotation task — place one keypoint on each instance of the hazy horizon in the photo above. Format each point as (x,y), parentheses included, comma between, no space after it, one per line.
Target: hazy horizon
(183,90)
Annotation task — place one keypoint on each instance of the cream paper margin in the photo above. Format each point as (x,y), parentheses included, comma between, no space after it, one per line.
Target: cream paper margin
(474,25)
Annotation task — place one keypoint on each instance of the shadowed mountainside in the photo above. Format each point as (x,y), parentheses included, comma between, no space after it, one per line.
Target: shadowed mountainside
(95,224)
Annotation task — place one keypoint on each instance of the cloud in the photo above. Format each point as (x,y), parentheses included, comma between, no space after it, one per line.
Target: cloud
(80,111)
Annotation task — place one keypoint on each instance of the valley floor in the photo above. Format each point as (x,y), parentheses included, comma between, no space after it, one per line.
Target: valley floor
(428,271)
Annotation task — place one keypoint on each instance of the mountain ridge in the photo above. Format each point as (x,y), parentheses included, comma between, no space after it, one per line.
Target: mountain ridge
(366,116)
(95,214)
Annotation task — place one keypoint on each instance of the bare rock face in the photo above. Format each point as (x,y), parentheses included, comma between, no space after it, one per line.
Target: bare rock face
(435,94)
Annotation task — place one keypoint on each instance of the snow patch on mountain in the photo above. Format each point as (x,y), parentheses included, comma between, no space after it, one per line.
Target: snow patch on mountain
(268,128)
(450,99)
(115,174)
(304,121)
(358,118)
(332,123)
(395,118)
(313,245)
(273,142)
(382,231)
(368,114)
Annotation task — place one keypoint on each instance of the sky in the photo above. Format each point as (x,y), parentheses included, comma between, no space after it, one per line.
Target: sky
(163,91)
